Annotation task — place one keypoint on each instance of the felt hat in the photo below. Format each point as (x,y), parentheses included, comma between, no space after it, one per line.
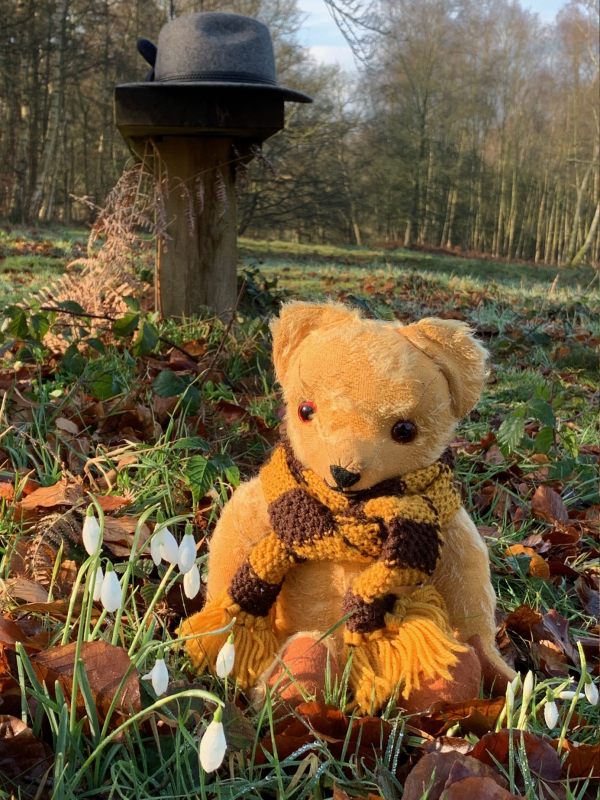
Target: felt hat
(216,50)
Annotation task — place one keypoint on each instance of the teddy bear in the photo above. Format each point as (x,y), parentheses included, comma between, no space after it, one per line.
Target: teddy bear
(353,535)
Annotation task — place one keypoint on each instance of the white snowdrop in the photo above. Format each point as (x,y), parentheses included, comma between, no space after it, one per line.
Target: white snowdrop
(97,589)
(191,582)
(226,658)
(569,695)
(110,594)
(91,532)
(213,744)
(186,556)
(155,549)
(169,549)
(551,714)
(591,691)
(159,675)
(527,688)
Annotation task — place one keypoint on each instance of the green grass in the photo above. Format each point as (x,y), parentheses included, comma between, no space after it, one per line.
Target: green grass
(183,462)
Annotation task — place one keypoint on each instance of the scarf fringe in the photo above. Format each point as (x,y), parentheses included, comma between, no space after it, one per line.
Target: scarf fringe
(254,640)
(416,645)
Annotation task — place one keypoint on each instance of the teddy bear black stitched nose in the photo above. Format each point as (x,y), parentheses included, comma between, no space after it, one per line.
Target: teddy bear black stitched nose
(343,477)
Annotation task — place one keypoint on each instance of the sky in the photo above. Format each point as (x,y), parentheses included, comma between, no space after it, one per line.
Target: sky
(321,35)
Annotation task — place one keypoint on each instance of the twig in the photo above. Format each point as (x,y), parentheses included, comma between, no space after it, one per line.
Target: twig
(108,318)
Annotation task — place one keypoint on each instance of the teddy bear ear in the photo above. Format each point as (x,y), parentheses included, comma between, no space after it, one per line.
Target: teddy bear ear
(460,357)
(296,321)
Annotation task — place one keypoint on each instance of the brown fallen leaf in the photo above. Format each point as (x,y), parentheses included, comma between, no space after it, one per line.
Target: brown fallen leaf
(109,672)
(315,721)
(473,716)
(582,760)
(67,425)
(119,533)
(23,758)
(541,755)
(435,772)
(478,789)
(538,567)
(546,504)
(62,493)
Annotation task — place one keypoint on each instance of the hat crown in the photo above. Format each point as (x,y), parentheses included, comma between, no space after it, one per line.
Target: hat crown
(215,46)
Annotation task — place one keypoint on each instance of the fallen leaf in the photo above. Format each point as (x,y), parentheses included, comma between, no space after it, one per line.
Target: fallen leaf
(62,493)
(119,533)
(582,760)
(546,504)
(315,721)
(478,789)
(67,426)
(435,772)
(23,757)
(538,567)
(112,502)
(473,716)
(541,755)
(109,672)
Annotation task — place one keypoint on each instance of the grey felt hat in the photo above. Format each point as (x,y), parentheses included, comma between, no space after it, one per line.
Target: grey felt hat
(213,49)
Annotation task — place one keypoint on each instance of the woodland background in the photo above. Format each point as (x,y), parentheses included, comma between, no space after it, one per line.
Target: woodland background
(470,125)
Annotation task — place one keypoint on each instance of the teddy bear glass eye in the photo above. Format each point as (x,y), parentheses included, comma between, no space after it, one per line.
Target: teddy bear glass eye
(306,411)
(404,431)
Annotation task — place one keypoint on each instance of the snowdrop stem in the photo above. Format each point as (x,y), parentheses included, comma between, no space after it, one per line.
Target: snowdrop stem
(129,571)
(141,627)
(578,689)
(107,738)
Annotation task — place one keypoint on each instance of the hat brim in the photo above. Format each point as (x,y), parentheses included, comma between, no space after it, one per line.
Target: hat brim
(288,94)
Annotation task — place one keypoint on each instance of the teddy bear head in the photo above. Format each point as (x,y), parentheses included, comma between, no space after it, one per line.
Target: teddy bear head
(368,400)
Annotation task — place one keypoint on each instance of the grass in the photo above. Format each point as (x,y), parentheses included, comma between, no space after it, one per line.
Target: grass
(178,459)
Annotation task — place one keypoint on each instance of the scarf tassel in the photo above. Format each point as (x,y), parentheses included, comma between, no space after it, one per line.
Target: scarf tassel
(254,640)
(416,645)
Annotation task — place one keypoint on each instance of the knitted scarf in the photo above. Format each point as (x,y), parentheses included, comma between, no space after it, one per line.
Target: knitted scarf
(395,529)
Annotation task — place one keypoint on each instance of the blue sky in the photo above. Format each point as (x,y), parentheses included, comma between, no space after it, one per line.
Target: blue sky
(320,34)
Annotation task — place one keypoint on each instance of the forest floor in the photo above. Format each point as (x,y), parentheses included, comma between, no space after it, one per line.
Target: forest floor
(157,422)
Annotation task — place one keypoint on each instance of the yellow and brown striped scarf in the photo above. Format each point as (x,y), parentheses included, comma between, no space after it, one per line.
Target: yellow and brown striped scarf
(395,528)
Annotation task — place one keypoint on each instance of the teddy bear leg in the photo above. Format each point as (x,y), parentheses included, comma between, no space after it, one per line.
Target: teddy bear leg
(301,670)
(463,579)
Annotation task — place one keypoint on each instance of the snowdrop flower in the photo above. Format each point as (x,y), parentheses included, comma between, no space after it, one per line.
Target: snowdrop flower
(163,545)
(91,532)
(213,744)
(527,688)
(97,590)
(110,594)
(191,582)
(225,658)
(186,556)
(159,675)
(551,714)
(568,695)
(591,691)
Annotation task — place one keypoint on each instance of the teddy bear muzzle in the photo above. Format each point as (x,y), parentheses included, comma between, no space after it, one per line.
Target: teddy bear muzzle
(344,478)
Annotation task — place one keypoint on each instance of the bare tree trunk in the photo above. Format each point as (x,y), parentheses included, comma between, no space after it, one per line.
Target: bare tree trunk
(580,254)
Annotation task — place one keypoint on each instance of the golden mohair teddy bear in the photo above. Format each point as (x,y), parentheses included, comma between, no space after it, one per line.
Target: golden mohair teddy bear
(355,525)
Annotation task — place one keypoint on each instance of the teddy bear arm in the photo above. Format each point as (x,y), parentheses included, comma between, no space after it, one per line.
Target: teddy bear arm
(462,577)
(243,523)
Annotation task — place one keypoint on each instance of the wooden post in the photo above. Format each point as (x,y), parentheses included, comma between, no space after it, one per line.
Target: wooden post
(198,134)
(197,262)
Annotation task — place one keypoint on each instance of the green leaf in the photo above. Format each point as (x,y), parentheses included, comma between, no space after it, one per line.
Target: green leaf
(72,306)
(168,384)
(72,360)
(542,411)
(125,325)
(96,344)
(191,443)
(104,385)
(544,440)
(511,431)
(569,441)
(132,302)
(18,323)
(145,339)
(39,326)
(561,470)
(201,473)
